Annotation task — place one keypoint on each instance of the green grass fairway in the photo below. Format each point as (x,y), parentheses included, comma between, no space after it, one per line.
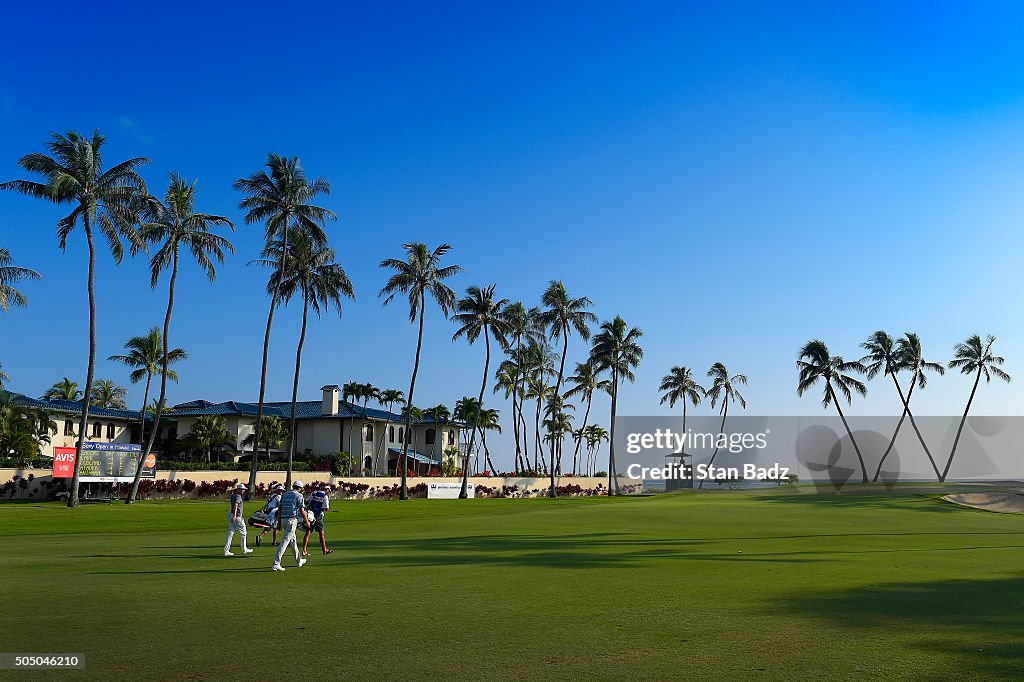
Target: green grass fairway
(721,586)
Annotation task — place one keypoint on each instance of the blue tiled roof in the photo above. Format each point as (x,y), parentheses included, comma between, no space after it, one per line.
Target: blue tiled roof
(304,409)
(72,406)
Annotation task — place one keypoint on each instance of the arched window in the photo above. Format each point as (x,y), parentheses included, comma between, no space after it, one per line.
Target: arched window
(391,434)
(401,434)
(431,435)
(69,427)
(111,431)
(368,433)
(97,430)
(368,463)
(451,437)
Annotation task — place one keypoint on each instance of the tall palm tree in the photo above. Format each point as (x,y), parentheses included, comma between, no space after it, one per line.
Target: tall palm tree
(489,420)
(561,315)
(616,349)
(506,380)
(584,382)
(106,199)
(349,394)
(723,389)
(389,397)
(524,327)
(817,364)
(106,393)
(11,274)
(538,389)
(466,410)
(418,276)
(478,314)
(145,357)
(279,196)
(171,225)
(595,433)
(310,273)
(65,389)
(974,356)
(887,356)
(680,386)
(274,431)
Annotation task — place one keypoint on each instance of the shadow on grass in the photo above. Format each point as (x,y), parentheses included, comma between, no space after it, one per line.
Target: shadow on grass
(974,624)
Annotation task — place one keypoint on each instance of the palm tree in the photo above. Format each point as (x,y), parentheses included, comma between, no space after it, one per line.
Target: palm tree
(680,386)
(616,348)
(109,200)
(466,410)
(584,382)
(10,275)
(349,393)
(311,273)
(523,327)
(419,275)
(279,195)
(22,430)
(889,357)
(507,379)
(4,377)
(208,432)
(723,388)
(489,420)
(145,356)
(561,315)
(440,414)
(537,389)
(480,314)
(558,424)
(816,363)
(595,433)
(388,398)
(172,225)
(367,392)
(273,432)
(65,389)
(106,393)
(974,357)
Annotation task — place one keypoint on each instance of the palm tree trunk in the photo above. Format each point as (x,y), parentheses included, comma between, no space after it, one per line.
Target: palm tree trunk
(73,497)
(538,442)
(920,438)
(266,353)
(906,408)
(295,390)
(163,381)
(860,458)
(464,493)
(142,435)
(403,493)
(960,429)
(721,430)
(613,483)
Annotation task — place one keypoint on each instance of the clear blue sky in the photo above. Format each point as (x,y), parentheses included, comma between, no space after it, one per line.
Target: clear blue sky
(731,178)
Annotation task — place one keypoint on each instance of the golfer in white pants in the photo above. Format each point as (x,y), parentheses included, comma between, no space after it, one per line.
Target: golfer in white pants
(236,521)
(292,507)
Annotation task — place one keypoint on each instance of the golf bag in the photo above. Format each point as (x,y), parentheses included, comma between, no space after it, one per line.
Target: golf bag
(260,519)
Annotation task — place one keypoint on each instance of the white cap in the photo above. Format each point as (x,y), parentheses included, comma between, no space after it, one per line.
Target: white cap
(278,486)
(240,486)
(297,484)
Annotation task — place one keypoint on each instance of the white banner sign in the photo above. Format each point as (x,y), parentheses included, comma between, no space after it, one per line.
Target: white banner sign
(447,491)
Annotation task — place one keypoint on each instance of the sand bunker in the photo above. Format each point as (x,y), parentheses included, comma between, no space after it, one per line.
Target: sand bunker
(995,501)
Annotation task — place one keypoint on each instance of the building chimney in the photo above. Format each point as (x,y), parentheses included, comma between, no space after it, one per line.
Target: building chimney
(330,402)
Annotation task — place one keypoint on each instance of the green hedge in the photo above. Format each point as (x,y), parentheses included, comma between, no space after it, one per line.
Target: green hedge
(37,462)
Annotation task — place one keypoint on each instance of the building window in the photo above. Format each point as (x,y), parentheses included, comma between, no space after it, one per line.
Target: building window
(391,434)
(401,434)
(431,435)
(368,463)
(69,427)
(451,437)
(368,433)
(97,430)
(111,431)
